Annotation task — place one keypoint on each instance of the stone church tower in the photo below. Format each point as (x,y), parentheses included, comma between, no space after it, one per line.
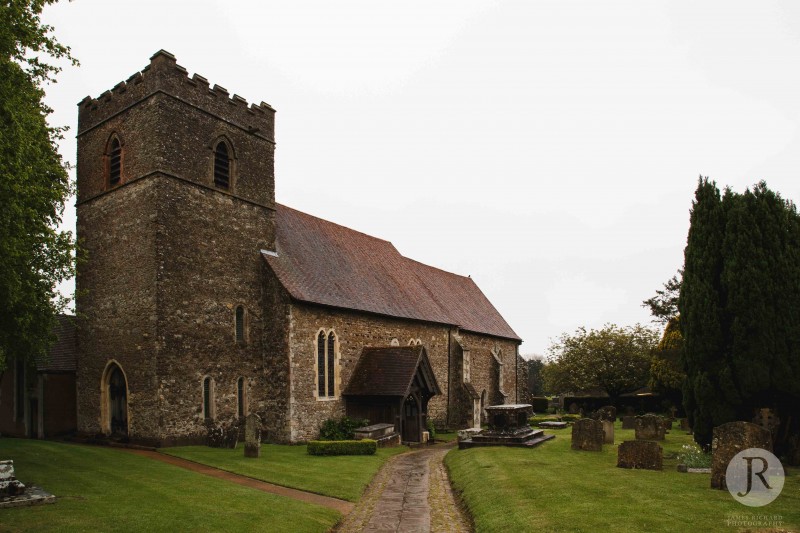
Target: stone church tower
(176,201)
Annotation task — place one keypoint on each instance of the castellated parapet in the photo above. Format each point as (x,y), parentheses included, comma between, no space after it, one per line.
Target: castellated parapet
(163,74)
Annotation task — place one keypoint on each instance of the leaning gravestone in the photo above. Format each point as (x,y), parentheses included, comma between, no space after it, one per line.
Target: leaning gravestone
(628,422)
(587,434)
(728,440)
(644,454)
(252,436)
(608,431)
(649,427)
(607,412)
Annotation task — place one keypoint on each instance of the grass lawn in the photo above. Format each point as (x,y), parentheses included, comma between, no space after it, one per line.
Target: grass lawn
(553,488)
(103,489)
(446,436)
(344,476)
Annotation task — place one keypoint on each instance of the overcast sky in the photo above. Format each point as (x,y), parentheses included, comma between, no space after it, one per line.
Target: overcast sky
(549,149)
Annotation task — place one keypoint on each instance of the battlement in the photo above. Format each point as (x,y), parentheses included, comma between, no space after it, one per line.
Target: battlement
(164,75)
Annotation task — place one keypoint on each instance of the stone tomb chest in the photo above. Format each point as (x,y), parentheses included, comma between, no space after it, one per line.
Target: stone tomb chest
(384,434)
(508,426)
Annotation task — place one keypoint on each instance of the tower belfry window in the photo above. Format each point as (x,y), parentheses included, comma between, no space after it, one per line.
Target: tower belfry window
(114,162)
(222,166)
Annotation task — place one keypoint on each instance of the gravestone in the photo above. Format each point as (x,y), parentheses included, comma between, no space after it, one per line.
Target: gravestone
(222,436)
(667,423)
(252,436)
(9,485)
(767,419)
(607,412)
(685,424)
(644,454)
(573,408)
(628,422)
(608,431)
(587,434)
(649,427)
(728,440)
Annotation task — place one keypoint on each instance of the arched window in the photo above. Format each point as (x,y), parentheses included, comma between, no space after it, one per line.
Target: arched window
(222,166)
(326,364)
(114,155)
(239,324)
(241,395)
(208,398)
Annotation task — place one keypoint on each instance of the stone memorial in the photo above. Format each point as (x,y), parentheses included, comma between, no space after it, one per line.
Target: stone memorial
(643,454)
(9,485)
(221,436)
(508,426)
(252,436)
(649,427)
(685,424)
(607,412)
(728,440)
(628,422)
(384,434)
(608,431)
(587,434)
(667,423)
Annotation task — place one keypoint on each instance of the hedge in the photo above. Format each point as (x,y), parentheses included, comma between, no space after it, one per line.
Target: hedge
(539,404)
(342,447)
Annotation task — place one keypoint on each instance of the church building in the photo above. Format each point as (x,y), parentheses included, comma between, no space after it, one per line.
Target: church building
(202,300)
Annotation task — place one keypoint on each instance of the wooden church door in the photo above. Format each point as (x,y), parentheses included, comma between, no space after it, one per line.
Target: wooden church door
(411,422)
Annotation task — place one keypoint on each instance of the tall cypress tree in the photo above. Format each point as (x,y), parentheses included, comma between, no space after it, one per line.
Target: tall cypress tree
(739,308)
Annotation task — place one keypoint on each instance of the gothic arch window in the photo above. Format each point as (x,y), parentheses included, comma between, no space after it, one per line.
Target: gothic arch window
(113,160)
(208,398)
(327,359)
(241,397)
(223,164)
(114,399)
(239,324)
(415,342)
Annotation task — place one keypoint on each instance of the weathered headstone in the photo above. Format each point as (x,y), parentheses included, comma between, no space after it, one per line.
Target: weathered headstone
(728,440)
(573,408)
(222,436)
(640,454)
(685,424)
(9,485)
(649,427)
(667,423)
(587,434)
(608,431)
(628,422)
(252,436)
(767,419)
(607,412)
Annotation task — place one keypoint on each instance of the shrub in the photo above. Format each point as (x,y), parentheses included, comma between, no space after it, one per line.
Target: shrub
(570,418)
(342,429)
(342,447)
(693,456)
(431,429)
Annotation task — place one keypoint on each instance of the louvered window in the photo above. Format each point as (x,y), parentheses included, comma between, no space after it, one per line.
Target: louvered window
(239,324)
(222,166)
(114,162)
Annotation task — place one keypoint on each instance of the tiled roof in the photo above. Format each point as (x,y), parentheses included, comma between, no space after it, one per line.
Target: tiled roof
(62,353)
(324,263)
(389,371)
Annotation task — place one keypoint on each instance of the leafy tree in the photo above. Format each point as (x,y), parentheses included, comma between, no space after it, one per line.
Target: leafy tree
(535,376)
(34,256)
(613,359)
(664,305)
(666,368)
(738,308)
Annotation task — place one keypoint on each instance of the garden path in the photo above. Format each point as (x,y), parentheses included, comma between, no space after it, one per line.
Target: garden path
(411,493)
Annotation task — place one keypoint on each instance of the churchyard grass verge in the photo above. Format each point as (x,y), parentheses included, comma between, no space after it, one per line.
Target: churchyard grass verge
(343,476)
(553,488)
(106,489)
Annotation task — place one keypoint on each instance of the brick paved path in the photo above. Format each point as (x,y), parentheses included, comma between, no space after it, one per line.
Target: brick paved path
(410,494)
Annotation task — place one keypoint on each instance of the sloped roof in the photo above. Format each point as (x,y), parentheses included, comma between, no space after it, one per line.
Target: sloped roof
(389,371)
(324,263)
(62,353)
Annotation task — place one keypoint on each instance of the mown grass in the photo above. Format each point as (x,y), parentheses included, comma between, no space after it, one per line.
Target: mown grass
(554,488)
(103,489)
(344,476)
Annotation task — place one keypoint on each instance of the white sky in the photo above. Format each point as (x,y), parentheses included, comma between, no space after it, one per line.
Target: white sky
(549,149)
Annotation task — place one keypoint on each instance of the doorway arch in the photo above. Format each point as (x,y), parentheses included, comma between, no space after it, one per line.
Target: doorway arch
(114,400)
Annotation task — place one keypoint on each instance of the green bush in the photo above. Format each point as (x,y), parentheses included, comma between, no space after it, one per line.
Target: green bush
(570,418)
(342,429)
(342,447)
(431,430)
